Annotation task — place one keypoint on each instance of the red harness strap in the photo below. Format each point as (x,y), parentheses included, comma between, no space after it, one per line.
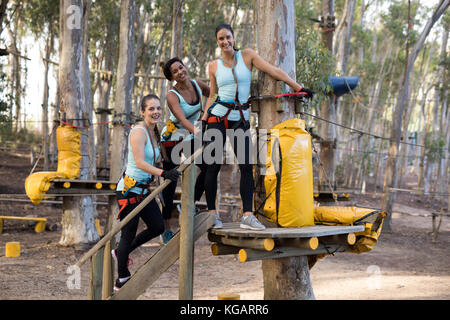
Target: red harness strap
(169,144)
(124,202)
(215,119)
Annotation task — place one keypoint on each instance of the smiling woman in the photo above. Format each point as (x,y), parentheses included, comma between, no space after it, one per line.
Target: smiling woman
(143,152)
(230,76)
(184,100)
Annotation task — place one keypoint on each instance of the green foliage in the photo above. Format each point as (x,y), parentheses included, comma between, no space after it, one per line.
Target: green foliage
(314,62)
(40,15)
(5,108)
(434,148)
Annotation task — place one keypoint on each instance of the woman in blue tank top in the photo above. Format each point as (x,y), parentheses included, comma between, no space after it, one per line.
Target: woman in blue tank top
(234,66)
(185,103)
(143,150)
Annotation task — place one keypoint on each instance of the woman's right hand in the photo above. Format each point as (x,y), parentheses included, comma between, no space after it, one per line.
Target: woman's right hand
(172,174)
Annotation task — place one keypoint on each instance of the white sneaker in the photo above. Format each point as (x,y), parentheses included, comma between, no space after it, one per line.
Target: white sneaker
(218,224)
(250,222)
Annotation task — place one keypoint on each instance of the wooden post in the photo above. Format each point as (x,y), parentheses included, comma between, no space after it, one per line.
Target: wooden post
(185,291)
(96,270)
(107,272)
(276,45)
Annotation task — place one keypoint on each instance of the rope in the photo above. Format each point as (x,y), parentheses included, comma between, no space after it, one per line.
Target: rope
(360,131)
(73,126)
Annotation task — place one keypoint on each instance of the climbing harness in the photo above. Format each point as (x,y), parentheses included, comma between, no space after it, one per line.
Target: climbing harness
(173,125)
(130,182)
(125,202)
(231,105)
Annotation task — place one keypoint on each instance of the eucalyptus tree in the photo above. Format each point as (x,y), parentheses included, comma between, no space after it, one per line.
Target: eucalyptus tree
(78,211)
(42,20)
(390,180)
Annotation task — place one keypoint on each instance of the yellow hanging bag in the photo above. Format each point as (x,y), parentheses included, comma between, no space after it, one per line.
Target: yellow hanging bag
(289,175)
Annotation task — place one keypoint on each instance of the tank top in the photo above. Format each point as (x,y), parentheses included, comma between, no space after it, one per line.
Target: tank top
(227,87)
(132,170)
(189,110)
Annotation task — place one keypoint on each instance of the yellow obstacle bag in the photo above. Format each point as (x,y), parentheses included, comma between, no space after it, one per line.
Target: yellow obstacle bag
(69,163)
(289,181)
(69,151)
(370,218)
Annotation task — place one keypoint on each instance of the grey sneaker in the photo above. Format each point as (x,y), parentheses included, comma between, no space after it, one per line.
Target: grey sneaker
(250,222)
(218,224)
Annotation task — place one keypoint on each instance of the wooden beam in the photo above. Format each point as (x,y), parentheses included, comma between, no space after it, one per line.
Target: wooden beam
(301,243)
(167,255)
(95,279)
(344,239)
(266,244)
(246,255)
(186,269)
(218,249)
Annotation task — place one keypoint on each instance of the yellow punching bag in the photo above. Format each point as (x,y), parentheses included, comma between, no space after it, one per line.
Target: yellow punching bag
(289,175)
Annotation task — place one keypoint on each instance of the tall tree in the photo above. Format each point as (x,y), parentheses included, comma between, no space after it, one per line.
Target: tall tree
(177,29)
(78,212)
(328,108)
(285,278)
(390,178)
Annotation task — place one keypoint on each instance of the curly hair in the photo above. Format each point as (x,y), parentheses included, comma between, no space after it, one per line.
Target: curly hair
(168,64)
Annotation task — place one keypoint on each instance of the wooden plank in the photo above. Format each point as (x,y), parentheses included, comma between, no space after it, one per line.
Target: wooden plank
(167,255)
(88,191)
(246,255)
(84,181)
(303,232)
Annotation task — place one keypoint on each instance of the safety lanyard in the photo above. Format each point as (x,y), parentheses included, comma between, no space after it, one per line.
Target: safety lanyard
(151,142)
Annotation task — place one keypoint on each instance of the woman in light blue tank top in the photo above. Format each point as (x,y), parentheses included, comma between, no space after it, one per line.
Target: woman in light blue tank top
(235,66)
(185,103)
(143,150)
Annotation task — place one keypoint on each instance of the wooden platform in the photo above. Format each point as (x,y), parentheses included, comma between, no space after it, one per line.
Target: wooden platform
(273,243)
(233,230)
(66,186)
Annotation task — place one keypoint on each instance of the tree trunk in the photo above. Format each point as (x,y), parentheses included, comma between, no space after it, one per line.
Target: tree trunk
(78,212)
(177,29)
(328,111)
(123,100)
(45,138)
(390,180)
(286,278)
(124,90)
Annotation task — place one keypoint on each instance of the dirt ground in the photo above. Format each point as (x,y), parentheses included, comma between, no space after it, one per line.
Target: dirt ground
(405,264)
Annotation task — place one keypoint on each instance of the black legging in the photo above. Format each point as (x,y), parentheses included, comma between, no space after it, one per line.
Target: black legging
(245,167)
(169,192)
(128,238)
